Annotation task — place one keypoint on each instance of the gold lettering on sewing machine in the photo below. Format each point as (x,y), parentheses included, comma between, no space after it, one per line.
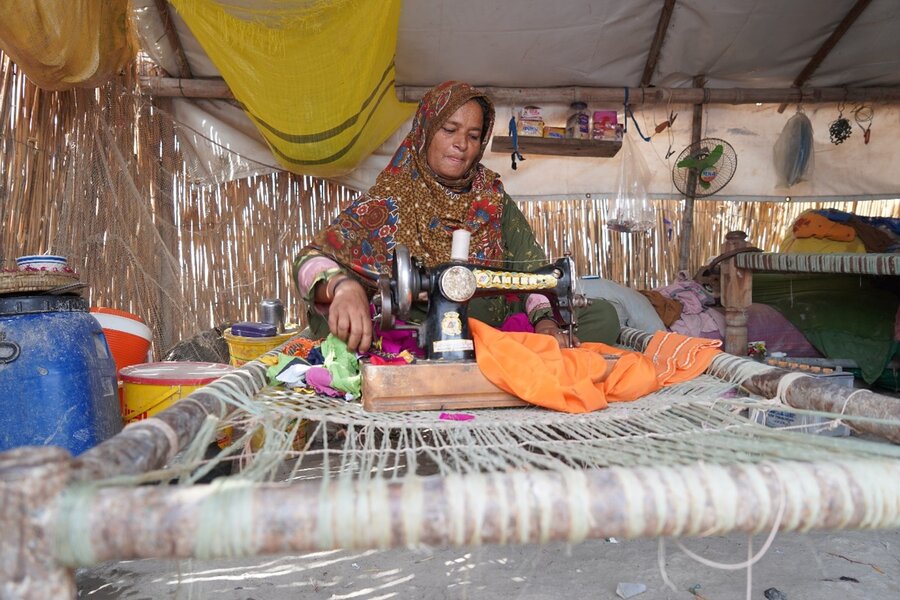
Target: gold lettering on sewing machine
(501,280)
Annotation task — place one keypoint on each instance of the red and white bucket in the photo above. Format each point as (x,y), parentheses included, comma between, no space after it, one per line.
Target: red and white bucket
(127,335)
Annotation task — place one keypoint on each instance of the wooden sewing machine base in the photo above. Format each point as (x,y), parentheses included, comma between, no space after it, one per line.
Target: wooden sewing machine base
(430,385)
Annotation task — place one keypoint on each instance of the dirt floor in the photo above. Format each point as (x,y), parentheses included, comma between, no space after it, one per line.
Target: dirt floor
(818,566)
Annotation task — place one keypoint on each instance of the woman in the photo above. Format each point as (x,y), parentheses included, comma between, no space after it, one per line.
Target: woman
(433,185)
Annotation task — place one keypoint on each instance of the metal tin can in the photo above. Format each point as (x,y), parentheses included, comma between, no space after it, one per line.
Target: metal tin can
(271,311)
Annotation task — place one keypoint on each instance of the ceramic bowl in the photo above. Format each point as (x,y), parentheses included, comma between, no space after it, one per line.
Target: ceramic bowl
(41,262)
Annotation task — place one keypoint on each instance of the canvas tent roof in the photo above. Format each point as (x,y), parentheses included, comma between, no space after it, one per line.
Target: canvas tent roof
(606,44)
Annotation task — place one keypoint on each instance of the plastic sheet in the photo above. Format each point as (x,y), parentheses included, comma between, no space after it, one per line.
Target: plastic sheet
(633,210)
(794,151)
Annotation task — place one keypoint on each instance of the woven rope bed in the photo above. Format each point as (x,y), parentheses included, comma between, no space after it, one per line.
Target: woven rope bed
(318,473)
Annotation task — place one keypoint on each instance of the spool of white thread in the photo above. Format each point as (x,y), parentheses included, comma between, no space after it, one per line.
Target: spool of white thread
(459,250)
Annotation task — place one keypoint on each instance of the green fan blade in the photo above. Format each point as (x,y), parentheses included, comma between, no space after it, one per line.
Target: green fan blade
(712,158)
(688,163)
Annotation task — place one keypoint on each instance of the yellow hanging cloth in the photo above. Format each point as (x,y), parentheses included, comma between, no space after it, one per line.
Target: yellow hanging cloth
(316,77)
(61,44)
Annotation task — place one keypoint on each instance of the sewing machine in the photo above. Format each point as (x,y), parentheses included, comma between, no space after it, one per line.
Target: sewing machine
(448,287)
(449,377)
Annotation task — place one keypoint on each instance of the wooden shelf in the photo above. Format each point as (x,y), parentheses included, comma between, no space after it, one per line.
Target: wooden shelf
(557,147)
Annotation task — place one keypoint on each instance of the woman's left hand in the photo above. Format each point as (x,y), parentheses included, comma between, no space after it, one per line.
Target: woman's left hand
(548,327)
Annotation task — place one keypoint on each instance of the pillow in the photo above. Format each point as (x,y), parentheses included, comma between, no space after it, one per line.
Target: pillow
(633,308)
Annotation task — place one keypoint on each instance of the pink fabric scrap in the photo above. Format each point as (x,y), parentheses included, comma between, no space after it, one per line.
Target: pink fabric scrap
(456,417)
(517,322)
(319,379)
(393,341)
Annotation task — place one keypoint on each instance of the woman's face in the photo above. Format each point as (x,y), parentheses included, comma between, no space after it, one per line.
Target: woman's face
(457,142)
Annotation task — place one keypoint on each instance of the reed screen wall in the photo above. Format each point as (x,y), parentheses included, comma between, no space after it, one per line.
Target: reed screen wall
(107,178)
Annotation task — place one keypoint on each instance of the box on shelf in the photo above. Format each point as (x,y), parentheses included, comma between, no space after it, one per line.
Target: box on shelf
(531,113)
(605,125)
(530,128)
(557,133)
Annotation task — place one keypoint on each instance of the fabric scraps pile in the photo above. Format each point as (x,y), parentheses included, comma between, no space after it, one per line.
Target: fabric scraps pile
(685,307)
(326,367)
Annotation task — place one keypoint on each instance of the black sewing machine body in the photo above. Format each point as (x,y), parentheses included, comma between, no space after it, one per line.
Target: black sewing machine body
(448,287)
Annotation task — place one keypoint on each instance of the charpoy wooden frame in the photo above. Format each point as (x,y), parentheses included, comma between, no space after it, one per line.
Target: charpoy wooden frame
(737,277)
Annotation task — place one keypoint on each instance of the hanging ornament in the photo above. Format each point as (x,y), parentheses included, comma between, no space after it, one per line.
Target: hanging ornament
(864,115)
(840,129)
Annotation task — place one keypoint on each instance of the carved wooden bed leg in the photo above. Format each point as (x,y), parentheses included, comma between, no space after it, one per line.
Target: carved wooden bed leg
(31,478)
(736,295)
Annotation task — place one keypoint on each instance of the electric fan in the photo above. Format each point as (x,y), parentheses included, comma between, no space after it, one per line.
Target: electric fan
(712,162)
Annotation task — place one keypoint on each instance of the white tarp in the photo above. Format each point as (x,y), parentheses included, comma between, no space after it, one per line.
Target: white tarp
(604,43)
(851,170)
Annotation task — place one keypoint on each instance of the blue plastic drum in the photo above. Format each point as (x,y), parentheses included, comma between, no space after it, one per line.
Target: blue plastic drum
(57,377)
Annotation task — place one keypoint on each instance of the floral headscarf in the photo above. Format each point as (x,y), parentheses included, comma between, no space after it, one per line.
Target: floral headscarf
(410,204)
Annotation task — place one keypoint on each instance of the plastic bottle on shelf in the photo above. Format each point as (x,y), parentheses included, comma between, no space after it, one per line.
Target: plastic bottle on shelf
(578,125)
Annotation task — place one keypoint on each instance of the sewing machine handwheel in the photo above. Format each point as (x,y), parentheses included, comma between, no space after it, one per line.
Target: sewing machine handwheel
(385,303)
(404,276)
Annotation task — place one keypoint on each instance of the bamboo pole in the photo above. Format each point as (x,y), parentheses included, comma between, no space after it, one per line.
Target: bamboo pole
(687,217)
(218,89)
(811,393)
(151,443)
(99,524)
(808,393)
(164,14)
(186,88)
(660,95)
(164,210)
(662,27)
(31,479)
(887,264)
(829,45)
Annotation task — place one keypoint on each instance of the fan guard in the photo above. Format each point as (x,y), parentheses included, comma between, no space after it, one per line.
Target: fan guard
(712,175)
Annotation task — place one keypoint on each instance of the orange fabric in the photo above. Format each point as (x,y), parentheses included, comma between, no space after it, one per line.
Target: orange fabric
(680,358)
(534,368)
(812,224)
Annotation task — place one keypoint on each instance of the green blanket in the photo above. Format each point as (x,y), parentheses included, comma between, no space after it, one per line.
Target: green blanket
(842,316)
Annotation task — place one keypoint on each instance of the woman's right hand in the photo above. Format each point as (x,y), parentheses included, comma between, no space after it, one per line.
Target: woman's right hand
(348,315)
